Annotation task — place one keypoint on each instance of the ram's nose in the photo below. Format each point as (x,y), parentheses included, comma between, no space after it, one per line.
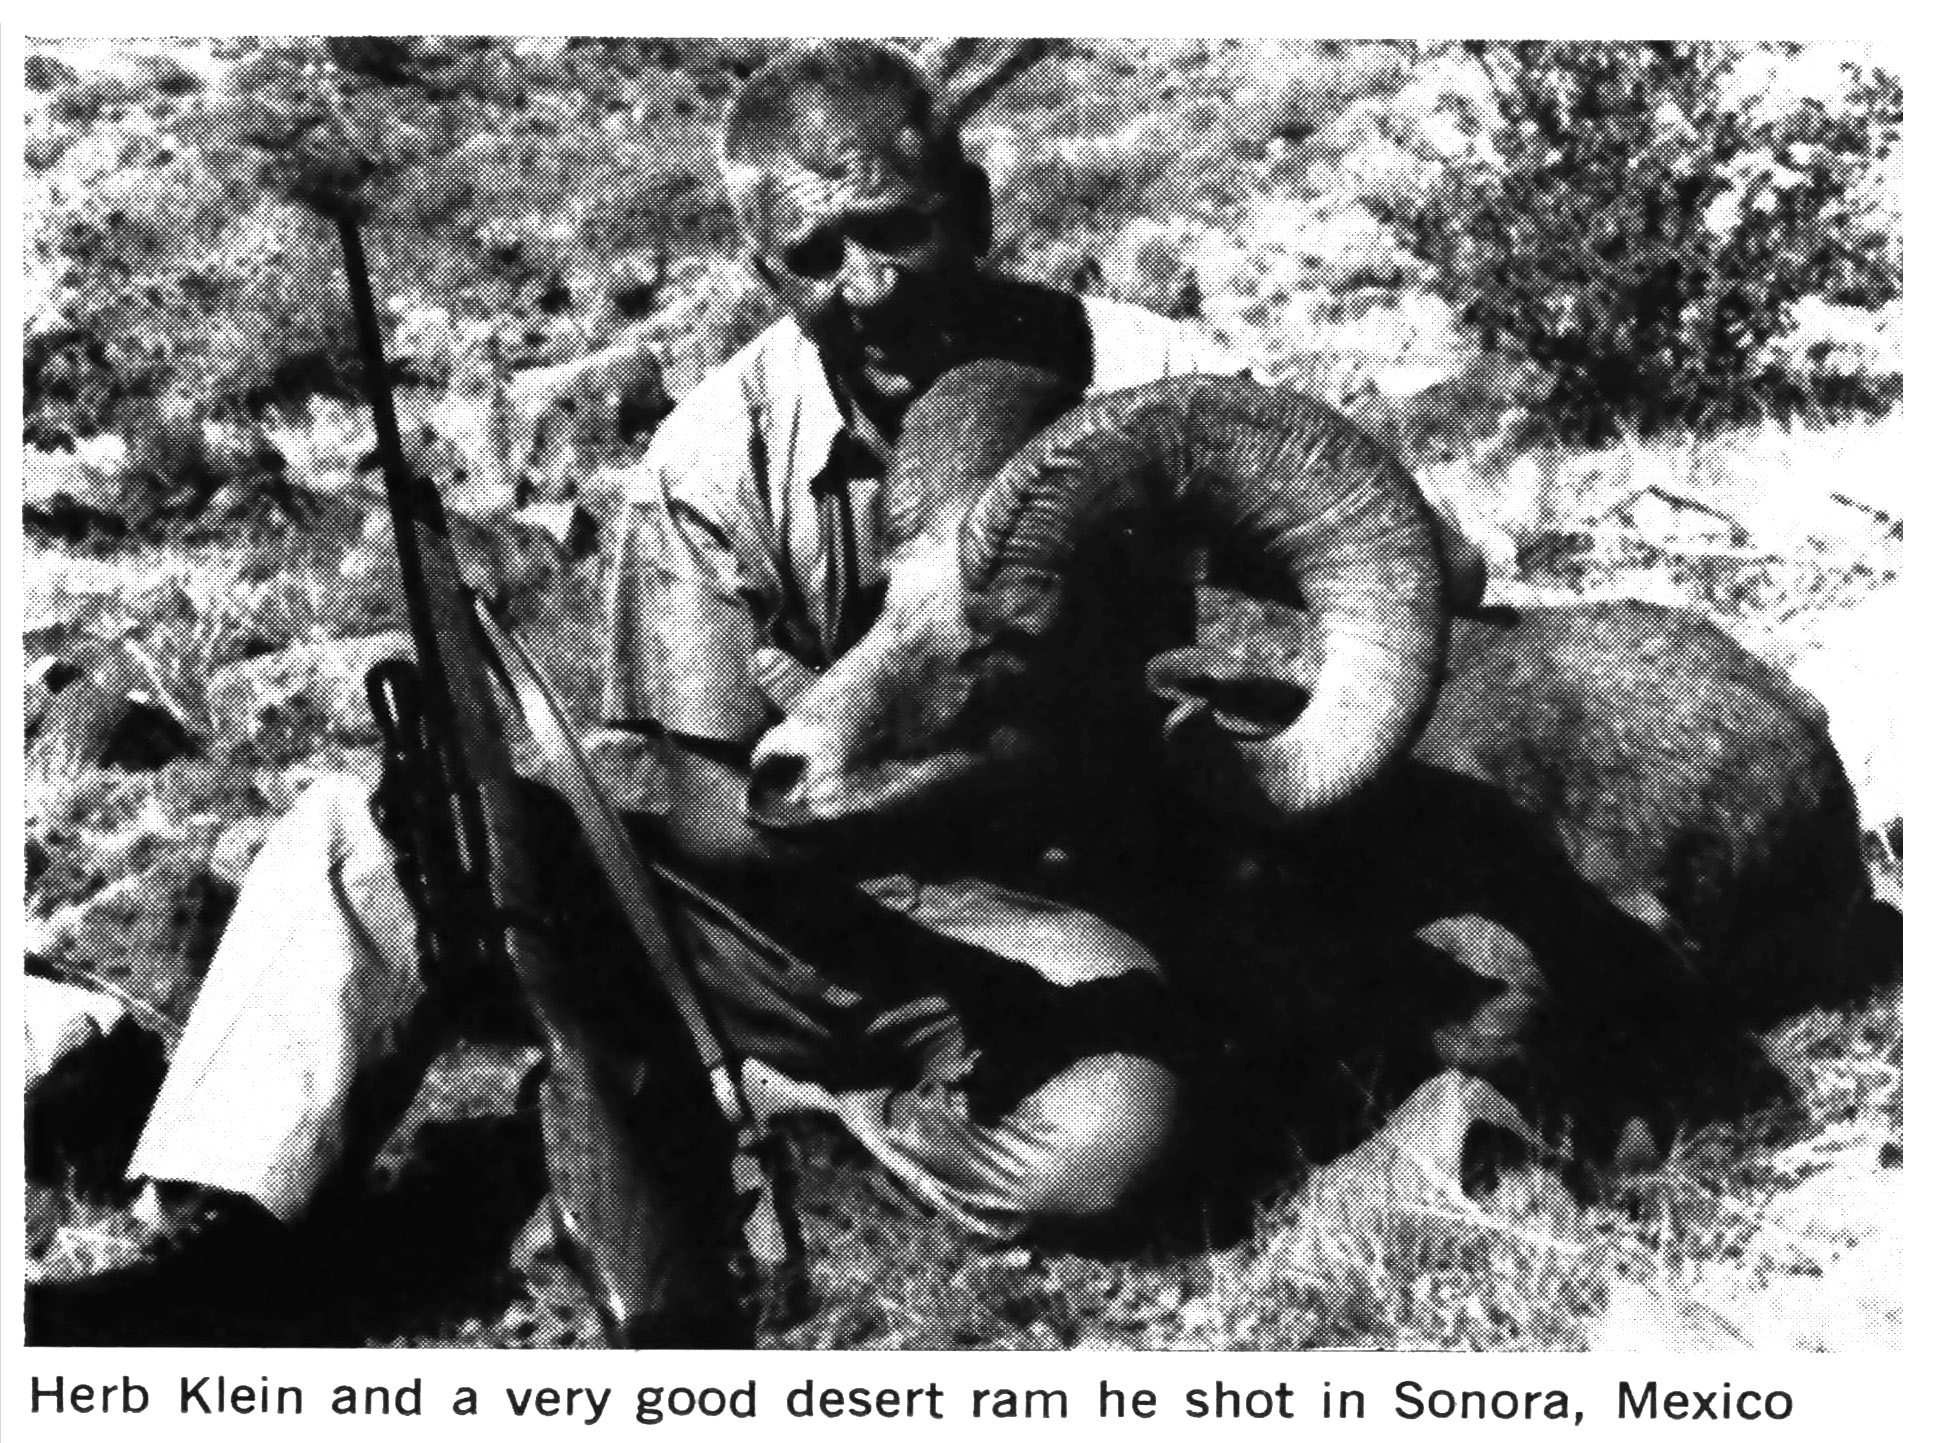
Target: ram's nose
(776,790)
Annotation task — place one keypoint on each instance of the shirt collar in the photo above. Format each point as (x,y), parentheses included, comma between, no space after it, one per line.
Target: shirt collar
(819,459)
(821,424)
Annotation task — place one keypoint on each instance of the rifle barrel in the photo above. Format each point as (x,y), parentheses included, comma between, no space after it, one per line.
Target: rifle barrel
(482,895)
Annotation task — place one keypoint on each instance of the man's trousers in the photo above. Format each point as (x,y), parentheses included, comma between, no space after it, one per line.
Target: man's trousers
(1006,1056)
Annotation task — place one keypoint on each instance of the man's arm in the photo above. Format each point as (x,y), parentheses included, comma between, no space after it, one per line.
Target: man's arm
(705,824)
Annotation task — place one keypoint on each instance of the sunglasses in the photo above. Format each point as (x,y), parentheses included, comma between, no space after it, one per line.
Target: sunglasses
(892,232)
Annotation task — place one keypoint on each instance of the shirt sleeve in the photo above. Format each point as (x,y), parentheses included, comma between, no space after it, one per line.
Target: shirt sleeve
(683,604)
(1132,346)
(1210,356)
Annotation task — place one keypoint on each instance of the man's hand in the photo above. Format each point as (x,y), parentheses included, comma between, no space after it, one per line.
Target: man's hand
(783,679)
(707,815)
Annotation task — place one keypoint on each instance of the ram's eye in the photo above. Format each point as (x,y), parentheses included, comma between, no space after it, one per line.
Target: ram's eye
(927,715)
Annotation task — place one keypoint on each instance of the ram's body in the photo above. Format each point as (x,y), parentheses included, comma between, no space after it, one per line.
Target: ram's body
(1613,808)
(1610,804)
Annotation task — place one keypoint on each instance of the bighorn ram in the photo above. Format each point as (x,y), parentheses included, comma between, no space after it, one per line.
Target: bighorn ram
(1611,800)
(986,606)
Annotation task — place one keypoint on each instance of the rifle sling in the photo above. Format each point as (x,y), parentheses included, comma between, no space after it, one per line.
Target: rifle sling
(771,1232)
(567,770)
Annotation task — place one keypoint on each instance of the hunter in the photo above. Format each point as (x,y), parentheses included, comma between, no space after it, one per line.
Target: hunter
(1005,1053)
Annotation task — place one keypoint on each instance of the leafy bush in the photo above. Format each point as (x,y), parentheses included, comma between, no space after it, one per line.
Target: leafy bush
(1642,226)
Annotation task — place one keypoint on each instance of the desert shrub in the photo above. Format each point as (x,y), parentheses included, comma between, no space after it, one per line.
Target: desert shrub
(1643,225)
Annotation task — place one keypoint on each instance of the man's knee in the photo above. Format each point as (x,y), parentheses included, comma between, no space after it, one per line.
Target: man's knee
(325,858)
(317,811)
(330,826)
(1095,1133)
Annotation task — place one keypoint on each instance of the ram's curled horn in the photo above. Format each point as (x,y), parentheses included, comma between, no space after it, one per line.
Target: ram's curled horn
(959,433)
(1287,490)
(997,589)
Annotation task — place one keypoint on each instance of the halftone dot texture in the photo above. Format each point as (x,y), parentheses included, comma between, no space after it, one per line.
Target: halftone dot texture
(1627,840)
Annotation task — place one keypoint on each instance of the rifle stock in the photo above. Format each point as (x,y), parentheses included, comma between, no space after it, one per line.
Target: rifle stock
(481,906)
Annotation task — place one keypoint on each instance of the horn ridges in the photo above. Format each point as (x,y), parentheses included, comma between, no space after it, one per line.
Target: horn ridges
(1280,476)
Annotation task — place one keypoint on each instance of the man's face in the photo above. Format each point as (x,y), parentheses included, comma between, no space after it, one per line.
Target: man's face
(869,249)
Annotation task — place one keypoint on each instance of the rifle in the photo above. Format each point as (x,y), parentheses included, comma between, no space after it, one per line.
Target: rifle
(457,814)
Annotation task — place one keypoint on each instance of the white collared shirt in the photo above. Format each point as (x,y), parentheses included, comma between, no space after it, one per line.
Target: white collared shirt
(723,546)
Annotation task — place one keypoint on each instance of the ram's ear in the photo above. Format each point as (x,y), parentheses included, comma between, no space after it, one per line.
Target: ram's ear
(1241,699)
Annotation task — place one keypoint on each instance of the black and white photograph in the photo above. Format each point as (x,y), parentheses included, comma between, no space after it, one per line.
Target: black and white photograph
(962,694)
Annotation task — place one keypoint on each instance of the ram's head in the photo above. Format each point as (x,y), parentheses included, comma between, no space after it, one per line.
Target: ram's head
(1032,584)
